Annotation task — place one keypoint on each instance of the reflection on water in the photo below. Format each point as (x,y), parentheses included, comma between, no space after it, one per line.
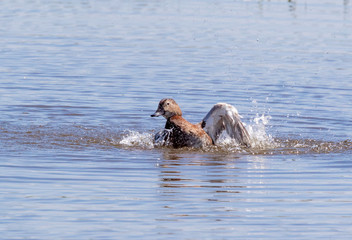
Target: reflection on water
(183,170)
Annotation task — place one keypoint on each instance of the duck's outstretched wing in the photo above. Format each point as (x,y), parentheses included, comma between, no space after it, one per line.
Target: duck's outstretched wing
(222,117)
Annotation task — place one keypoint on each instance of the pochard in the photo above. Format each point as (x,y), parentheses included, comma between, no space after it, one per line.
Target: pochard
(178,132)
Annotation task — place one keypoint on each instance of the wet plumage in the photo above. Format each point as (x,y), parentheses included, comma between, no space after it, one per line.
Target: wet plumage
(178,132)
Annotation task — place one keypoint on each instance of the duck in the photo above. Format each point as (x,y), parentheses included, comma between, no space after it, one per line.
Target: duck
(178,132)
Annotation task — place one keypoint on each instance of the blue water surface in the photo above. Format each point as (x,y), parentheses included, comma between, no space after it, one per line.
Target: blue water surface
(79,80)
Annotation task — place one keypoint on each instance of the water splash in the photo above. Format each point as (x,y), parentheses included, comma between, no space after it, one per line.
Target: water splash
(76,136)
(259,137)
(137,139)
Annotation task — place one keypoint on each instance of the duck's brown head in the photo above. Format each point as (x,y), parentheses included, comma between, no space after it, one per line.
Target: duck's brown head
(167,108)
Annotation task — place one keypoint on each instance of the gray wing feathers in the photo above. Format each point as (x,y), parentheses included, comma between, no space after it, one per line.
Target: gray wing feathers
(235,129)
(225,117)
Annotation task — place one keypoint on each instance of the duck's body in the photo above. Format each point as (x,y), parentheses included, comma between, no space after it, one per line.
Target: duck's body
(186,134)
(179,132)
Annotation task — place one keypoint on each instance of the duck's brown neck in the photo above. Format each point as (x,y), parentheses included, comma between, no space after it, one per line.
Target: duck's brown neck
(169,122)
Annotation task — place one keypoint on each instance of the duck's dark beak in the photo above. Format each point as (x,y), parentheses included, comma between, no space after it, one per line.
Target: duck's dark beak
(156,114)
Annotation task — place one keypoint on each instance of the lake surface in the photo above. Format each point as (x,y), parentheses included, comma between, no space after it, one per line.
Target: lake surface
(79,80)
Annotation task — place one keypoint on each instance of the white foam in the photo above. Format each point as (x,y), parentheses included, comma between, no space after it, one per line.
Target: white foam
(137,139)
(260,139)
(257,131)
(226,143)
